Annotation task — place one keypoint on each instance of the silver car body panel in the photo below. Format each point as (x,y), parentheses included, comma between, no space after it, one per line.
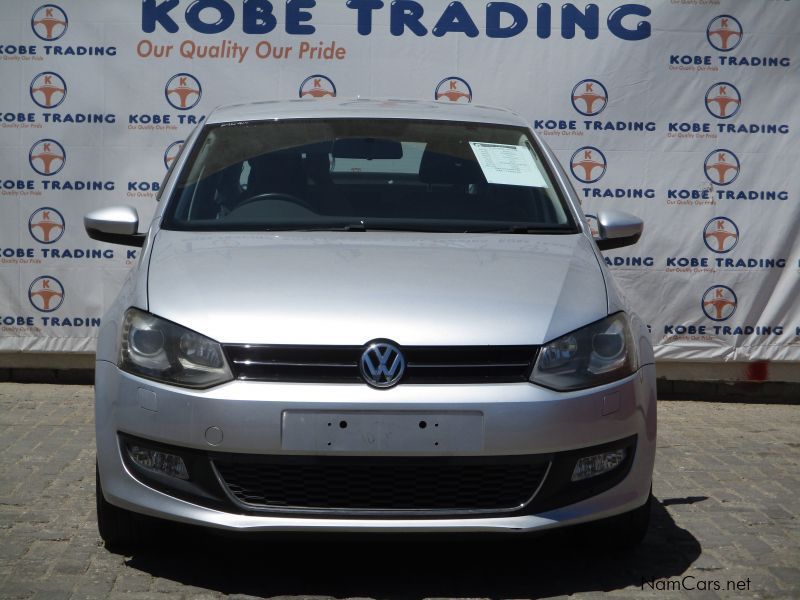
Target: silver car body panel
(363,108)
(518,419)
(347,288)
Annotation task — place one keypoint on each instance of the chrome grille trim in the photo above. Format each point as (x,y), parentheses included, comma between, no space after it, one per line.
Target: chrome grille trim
(339,364)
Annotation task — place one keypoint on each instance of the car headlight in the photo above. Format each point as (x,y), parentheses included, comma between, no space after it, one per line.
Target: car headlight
(159,349)
(593,355)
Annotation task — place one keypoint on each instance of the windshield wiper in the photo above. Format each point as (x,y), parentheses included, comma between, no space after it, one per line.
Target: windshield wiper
(348,227)
(360,226)
(520,229)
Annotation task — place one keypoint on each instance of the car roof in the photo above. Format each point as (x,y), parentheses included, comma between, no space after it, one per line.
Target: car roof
(362,108)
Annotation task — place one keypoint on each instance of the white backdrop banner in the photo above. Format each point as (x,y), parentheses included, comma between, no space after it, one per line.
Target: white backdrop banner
(684,112)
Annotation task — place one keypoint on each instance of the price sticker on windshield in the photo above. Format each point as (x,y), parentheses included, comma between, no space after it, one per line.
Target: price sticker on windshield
(508,164)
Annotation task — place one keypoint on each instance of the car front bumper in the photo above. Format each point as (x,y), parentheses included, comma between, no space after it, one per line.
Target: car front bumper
(517,419)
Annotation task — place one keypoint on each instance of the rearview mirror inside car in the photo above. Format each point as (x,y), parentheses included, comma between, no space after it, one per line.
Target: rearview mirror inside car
(367,148)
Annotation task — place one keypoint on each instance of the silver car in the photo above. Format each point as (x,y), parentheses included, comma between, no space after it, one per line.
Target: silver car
(371,316)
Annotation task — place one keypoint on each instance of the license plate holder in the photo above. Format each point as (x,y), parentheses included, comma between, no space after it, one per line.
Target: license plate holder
(382,431)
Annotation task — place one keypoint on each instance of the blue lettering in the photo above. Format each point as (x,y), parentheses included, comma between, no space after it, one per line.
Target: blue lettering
(296,16)
(364,8)
(257,17)
(543,20)
(494,10)
(153,13)
(17,321)
(616,27)
(455,19)
(684,329)
(689,127)
(406,13)
(588,21)
(225,16)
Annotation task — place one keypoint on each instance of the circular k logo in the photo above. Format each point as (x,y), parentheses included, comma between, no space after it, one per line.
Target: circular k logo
(183,91)
(46,293)
(453,89)
(49,22)
(719,303)
(589,97)
(46,225)
(588,164)
(724,33)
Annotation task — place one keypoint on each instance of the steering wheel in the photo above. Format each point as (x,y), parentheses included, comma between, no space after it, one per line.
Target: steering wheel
(274,196)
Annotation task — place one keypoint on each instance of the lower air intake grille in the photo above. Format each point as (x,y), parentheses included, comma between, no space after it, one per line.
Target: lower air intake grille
(358,484)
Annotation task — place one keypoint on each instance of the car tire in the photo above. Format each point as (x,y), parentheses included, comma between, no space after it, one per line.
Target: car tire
(626,531)
(119,529)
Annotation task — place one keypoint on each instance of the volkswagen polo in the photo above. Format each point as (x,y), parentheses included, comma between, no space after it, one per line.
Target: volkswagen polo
(371,316)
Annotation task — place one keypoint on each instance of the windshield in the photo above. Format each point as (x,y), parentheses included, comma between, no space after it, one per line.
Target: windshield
(366,174)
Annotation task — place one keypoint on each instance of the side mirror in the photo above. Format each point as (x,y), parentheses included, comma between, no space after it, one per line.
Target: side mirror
(115,225)
(617,229)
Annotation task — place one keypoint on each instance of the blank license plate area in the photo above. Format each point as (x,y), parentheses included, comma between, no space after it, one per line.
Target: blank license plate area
(382,431)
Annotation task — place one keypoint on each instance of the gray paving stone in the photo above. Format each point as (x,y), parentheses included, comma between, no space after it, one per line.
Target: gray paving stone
(53,594)
(727,475)
(17,590)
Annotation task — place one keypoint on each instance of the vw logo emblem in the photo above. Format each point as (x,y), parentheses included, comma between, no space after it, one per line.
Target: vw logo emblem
(382,364)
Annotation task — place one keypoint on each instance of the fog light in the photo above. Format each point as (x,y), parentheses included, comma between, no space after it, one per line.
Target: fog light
(592,466)
(160,462)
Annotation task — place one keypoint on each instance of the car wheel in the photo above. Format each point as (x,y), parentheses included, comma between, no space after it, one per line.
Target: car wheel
(626,531)
(119,529)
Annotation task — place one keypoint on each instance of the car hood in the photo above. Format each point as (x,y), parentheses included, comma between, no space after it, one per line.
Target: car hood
(347,288)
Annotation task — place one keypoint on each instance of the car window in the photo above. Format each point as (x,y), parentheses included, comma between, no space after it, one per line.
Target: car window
(373,174)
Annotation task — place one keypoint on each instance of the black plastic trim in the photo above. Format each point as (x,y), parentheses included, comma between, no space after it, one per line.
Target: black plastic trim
(339,364)
(621,242)
(534,468)
(559,489)
(204,488)
(123,239)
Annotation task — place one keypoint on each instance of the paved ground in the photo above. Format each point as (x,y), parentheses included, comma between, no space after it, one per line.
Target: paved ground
(727,482)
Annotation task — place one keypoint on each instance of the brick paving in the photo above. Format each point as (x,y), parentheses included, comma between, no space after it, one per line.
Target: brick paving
(725,525)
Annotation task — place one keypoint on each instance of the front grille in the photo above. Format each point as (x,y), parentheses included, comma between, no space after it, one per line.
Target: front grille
(339,364)
(386,484)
